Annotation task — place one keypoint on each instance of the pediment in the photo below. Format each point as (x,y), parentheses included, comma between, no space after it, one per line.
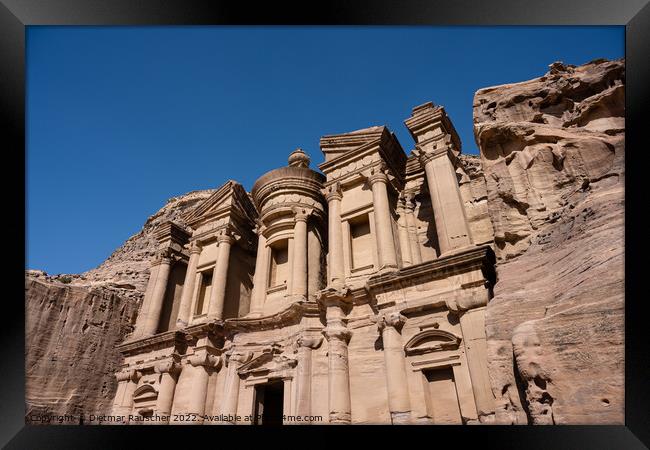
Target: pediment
(267,362)
(229,201)
(145,391)
(341,149)
(431,341)
(334,145)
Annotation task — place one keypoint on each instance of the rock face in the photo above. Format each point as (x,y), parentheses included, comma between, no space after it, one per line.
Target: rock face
(552,151)
(71,333)
(74,321)
(473,190)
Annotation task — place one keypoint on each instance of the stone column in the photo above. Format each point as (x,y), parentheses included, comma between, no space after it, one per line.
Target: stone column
(303,374)
(338,337)
(299,264)
(260,279)
(446,201)
(335,238)
(197,370)
(231,388)
(127,382)
(470,308)
(220,278)
(399,402)
(416,252)
(146,301)
(147,323)
(404,241)
(168,371)
(184,312)
(472,323)
(383,228)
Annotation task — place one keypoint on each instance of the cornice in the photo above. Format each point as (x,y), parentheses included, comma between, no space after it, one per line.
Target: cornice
(287,316)
(480,257)
(172,338)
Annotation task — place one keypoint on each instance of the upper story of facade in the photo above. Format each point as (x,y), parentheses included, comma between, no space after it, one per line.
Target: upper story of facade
(372,211)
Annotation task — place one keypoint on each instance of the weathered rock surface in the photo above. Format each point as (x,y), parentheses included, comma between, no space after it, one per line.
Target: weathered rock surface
(473,190)
(552,151)
(74,321)
(70,335)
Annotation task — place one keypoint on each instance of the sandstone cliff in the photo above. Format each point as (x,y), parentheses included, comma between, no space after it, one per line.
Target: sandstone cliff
(552,151)
(74,321)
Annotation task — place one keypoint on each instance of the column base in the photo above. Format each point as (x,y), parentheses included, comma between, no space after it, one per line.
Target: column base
(340,418)
(401,418)
(388,269)
(457,250)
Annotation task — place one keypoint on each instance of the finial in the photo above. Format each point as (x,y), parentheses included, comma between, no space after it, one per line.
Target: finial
(298,158)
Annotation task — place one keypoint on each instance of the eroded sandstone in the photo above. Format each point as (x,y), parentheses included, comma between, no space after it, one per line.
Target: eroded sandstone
(552,151)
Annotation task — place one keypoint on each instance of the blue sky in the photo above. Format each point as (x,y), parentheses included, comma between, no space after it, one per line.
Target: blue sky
(119,119)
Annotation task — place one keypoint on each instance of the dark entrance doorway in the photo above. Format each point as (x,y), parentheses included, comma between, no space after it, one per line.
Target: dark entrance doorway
(269,400)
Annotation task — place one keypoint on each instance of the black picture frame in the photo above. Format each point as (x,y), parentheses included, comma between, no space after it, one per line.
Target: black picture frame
(15,15)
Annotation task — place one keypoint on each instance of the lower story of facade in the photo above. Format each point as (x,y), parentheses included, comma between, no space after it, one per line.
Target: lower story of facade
(406,346)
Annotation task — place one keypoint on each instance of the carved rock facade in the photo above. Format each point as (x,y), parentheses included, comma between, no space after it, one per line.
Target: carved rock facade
(295,302)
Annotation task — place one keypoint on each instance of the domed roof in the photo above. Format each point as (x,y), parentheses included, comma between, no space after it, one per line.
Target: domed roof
(297,174)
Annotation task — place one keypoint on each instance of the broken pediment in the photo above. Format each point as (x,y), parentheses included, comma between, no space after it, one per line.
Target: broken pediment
(230,201)
(356,148)
(334,145)
(267,362)
(431,341)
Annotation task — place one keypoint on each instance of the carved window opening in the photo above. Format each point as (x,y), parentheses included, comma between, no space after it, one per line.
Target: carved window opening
(279,268)
(269,403)
(442,402)
(204,294)
(360,243)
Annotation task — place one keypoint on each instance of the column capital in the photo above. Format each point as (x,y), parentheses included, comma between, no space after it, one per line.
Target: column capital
(260,228)
(431,149)
(195,247)
(402,206)
(203,358)
(392,319)
(238,357)
(301,214)
(225,237)
(162,256)
(128,375)
(464,301)
(407,200)
(333,192)
(169,366)
(312,342)
(337,333)
(378,175)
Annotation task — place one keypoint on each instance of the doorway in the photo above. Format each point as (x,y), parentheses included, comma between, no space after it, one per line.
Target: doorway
(443,402)
(269,403)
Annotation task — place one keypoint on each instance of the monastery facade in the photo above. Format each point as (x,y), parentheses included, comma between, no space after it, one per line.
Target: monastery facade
(355,295)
